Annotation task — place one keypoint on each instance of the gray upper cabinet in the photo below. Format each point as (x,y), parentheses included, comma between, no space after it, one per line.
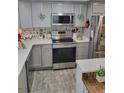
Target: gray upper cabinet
(62,8)
(80,14)
(98,8)
(38,14)
(82,50)
(25,20)
(41,14)
(89,10)
(47,55)
(76,8)
(36,10)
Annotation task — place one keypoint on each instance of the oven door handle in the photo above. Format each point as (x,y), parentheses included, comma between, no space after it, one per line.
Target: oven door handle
(64,46)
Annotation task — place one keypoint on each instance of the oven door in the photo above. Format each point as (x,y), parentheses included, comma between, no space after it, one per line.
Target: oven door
(64,56)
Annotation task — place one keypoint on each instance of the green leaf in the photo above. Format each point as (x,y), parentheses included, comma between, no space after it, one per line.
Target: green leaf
(100,72)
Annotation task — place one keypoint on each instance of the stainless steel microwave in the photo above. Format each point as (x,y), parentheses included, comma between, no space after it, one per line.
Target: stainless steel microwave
(63,19)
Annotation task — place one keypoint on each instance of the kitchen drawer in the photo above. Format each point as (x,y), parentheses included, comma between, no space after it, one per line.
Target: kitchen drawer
(47,46)
(82,45)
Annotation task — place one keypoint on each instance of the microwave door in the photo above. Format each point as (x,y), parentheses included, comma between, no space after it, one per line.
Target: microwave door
(62,19)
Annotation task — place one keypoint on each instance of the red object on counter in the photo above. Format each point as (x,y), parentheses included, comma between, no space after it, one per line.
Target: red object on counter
(20,33)
(19,37)
(87,24)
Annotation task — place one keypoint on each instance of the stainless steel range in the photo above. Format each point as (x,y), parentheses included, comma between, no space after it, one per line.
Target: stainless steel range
(64,51)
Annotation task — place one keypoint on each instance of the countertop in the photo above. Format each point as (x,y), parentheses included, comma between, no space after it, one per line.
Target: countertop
(92,85)
(90,65)
(85,39)
(23,53)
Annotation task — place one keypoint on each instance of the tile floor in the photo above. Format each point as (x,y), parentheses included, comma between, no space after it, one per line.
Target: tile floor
(54,81)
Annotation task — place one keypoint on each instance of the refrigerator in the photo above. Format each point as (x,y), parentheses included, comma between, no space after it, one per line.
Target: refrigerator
(95,23)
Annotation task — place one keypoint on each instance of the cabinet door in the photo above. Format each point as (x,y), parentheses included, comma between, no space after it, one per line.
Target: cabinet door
(98,9)
(68,8)
(62,8)
(43,8)
(25,14)
(29,72)
(36,10)
(79,83)
(36,54)
(47,55)
(57,8)
(22,81)
(82,51)
(80,10)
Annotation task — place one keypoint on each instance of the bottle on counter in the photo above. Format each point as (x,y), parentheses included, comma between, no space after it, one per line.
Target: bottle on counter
(41,34)
(79,34)
(45,35)
(48,35)
(74,33)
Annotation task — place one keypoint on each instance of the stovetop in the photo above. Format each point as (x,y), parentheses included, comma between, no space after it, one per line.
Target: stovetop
(63,40)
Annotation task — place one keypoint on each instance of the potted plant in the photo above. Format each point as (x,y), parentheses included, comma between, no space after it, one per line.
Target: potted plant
(100,75)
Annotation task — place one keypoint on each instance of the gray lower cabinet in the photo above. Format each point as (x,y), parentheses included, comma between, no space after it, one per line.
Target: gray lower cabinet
(29,72)
(41,56)
(36,56)
(22,81)
(82,50)
(47,55)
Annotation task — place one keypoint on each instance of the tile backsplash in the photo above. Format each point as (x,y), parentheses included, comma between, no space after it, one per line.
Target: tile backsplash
(67,28)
